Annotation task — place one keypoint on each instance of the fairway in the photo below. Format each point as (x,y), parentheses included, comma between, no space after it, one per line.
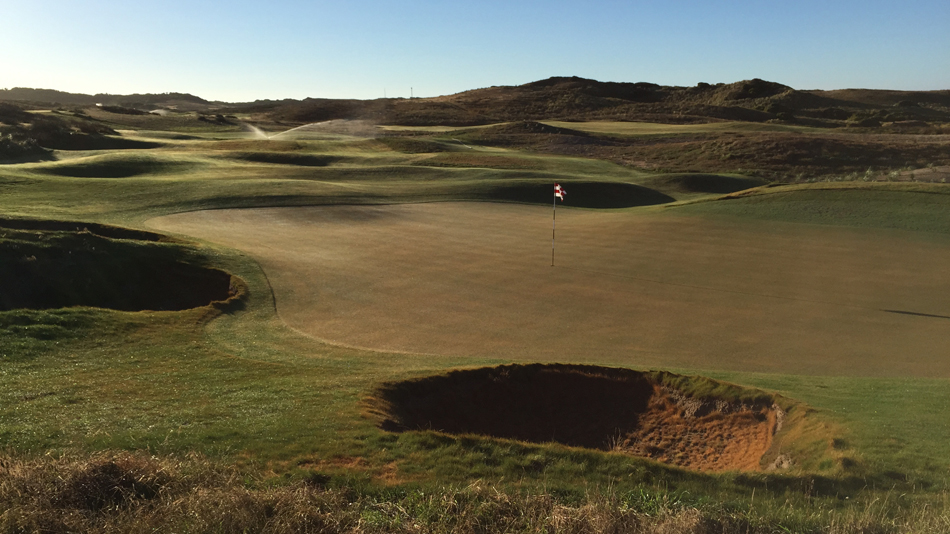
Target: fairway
(641,288)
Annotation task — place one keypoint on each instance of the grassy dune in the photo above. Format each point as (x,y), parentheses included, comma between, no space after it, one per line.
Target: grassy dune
(273,387)
(647,128)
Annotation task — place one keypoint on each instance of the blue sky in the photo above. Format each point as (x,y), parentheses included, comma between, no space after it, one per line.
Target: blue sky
(242,50)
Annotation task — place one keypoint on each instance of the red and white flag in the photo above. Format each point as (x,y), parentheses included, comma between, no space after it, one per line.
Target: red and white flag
(559,192)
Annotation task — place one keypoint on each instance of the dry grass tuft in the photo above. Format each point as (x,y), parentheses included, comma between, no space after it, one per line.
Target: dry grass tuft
(118,492)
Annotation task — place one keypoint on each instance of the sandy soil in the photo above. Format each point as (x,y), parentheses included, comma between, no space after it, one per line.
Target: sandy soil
(632,288)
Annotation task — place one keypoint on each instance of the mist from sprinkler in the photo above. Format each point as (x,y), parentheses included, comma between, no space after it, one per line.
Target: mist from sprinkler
(257,133)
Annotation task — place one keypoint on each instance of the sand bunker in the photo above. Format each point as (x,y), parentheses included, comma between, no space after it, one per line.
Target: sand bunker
(587,406)
(47,264)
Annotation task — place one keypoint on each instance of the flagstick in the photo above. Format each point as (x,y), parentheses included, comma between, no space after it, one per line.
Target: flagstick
(553,226)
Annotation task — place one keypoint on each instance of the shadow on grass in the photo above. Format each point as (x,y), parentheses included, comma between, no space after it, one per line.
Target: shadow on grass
(283,158)
(104,230)
(60,269)
(581,194)
(116,168)
(706,183)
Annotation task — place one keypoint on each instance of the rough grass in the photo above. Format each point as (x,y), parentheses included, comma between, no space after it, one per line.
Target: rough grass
(773,153)
(111,492)
(649,128)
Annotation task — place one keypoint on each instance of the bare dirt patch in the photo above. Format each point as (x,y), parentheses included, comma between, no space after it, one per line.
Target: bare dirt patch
(587,406)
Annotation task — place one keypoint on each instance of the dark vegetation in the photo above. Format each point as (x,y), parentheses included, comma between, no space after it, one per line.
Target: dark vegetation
(56,267)
(285,158)
(54,98)
(779,156)
(116,168)
(579,99)
(571,99)
(31,136)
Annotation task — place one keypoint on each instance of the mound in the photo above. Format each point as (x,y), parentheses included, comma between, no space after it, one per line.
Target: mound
(582,194)
(57,269)
(588,406)
(117,167)
(285,158)
(533,127)
(754,88)
(408,145)
(254,145)
(706,183)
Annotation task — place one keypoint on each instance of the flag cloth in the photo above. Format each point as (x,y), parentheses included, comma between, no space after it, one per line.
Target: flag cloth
(559,192)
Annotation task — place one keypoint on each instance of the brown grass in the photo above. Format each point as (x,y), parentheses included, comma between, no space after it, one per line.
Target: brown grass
(120,492)
(780,156)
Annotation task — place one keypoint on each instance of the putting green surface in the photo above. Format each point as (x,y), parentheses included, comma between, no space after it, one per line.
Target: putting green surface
(632,287)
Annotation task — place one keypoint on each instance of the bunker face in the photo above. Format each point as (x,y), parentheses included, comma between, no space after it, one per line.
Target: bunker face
(44,269)
(585,406)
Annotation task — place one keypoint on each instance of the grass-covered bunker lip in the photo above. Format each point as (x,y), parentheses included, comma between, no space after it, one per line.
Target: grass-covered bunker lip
(692,422)
(59,264)
(582,194)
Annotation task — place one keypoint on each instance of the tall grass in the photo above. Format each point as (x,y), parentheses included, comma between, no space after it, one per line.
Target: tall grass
(111,492)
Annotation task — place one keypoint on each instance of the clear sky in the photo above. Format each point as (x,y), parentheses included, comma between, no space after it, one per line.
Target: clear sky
(246,50)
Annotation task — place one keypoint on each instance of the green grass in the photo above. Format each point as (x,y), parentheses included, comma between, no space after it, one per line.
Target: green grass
(923,208)
(241,387)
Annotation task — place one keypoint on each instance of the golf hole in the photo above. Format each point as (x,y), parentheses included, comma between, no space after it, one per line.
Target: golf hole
(610,409)
(48,265)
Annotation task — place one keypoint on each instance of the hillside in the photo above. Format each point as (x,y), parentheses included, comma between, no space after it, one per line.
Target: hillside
(753,127)
(54,98)
(579,99)
(565,98)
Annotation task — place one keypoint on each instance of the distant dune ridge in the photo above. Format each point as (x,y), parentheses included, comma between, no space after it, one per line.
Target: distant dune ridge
(567,98)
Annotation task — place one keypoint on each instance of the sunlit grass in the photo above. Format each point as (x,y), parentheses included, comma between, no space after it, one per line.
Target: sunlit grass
(242,388)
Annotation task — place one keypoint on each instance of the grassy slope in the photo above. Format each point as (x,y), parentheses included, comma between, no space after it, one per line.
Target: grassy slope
(141,380)
(896,421)
(913,207)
